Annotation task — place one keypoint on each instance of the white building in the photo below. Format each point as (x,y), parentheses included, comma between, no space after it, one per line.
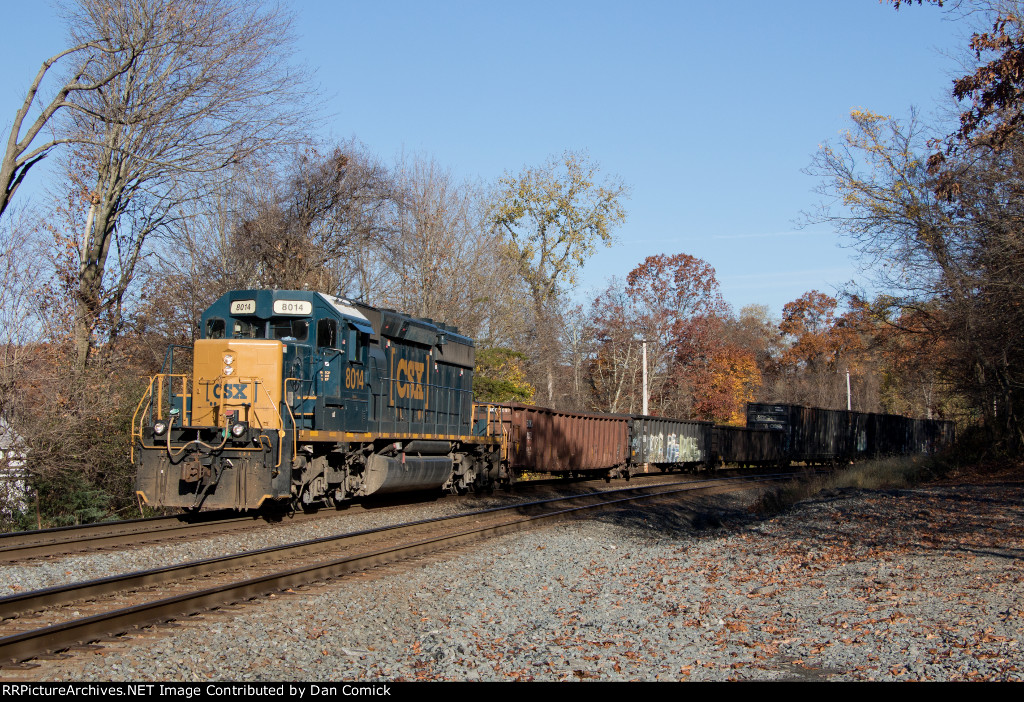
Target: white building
(14,489)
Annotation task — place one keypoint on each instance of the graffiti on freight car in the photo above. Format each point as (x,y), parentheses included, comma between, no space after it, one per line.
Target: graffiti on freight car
(671,448)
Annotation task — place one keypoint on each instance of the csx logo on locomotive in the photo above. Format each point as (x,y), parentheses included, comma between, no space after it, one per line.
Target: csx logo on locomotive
(408,379)
(230,391)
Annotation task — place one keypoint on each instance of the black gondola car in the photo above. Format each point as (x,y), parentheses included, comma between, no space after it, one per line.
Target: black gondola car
(747,447)
(670,443)
(813,435)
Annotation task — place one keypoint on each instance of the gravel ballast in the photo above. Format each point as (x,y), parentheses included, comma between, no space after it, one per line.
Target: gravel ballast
(917,584)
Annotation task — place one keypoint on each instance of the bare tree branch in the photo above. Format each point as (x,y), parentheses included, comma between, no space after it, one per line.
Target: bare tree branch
(16,162)
(189,87)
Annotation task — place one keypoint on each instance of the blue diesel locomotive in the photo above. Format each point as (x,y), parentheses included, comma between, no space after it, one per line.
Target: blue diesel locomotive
(301,397)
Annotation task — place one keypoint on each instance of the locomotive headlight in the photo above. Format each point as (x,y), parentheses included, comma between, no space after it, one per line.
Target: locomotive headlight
(229,359)
(237,429)
(228,370)
(159,428)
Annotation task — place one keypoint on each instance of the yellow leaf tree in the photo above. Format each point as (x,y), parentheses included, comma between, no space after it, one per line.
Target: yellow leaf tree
(553,217)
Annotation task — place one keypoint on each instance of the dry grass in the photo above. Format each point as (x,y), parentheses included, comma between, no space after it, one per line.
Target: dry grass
(883,473)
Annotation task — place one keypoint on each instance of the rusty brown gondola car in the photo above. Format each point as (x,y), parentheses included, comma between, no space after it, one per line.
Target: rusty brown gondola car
(541,440)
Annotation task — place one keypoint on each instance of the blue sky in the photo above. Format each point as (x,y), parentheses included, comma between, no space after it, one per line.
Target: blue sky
(708,111)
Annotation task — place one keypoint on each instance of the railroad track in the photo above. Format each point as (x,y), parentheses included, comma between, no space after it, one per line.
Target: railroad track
(60,618)
(90,537)
(61,541)
(86,538)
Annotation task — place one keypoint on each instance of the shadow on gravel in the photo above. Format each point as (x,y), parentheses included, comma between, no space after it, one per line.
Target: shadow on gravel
(670,520)
(802,673)
(1013,554)
(976,519)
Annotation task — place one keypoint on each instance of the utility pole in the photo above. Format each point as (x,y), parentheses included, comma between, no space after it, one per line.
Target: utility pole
(849,404)
(644,342)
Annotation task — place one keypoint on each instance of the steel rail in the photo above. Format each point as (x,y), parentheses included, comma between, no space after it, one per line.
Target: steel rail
(29,644)
(44,542)
(13,605)
(22,545)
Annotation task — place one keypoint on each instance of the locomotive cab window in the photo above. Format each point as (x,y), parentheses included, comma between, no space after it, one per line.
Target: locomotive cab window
(289,329)
(215,328)
(244,329)
(327,333)
(356,341)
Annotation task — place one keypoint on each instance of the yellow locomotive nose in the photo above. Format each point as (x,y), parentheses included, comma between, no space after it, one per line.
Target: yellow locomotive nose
(237,379)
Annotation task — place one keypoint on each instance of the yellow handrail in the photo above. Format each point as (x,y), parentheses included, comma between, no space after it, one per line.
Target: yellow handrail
(146,402)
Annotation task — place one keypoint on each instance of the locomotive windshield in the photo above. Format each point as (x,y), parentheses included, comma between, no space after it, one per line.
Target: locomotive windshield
(289,329)
(215,328)
(244,329)
(280,328)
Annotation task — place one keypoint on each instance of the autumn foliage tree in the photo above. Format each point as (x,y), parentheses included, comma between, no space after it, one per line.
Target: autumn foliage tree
(87,68)
(823,346)
(681,309)
(160,98)
(207,86)
(914,359)
(552,218)
(993,90)
(443,259)
(310,224)
(954,266)
(735,380)
(614,370)
(500,376)
(695,369)
(822,339)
